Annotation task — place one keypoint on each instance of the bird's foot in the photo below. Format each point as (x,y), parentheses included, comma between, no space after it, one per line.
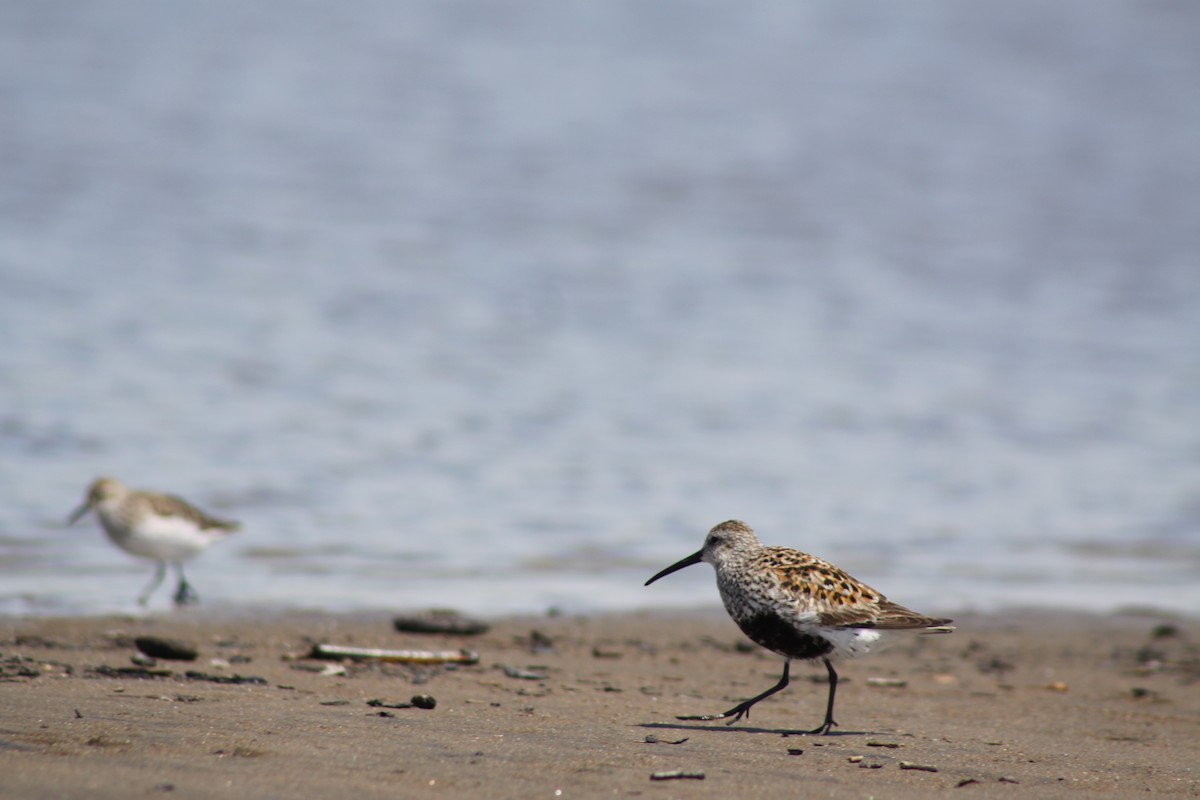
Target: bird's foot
(185,595)
(737,712)
(823,729)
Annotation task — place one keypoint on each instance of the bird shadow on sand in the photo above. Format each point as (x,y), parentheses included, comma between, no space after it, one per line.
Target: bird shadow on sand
(683,726)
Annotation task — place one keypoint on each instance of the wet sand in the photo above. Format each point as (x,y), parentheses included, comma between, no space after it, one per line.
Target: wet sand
(1027,705)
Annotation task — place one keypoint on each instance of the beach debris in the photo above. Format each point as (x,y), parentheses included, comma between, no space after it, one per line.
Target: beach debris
(106,671)
(397,656)
(166,649)
(107,741)
(240,752)
(855,759)
(874,743)
(33,640)
(871,765)
(336,703)
(1004,779)
(19,666)
(653,739)
(540,642)
(441,621)
(965,782)
(233,680)
(995,665)
(795,751)
(890,683)
(418,701)
(1058,686)
(676,775)
(522,674)
(333,671)
(1150,657)
(143,660)
(1164,631)
(921,767)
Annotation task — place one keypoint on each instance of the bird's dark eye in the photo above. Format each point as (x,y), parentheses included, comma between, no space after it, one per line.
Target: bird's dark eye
(716,538)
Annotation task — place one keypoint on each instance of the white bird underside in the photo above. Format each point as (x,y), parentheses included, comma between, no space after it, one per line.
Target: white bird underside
(160,538)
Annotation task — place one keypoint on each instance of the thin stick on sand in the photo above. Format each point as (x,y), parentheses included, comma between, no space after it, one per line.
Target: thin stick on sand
(399,656)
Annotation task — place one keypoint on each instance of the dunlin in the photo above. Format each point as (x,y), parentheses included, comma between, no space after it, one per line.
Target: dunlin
(161,527)
(798,606)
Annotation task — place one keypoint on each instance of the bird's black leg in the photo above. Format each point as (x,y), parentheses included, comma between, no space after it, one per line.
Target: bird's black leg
(184,594)
(828,723)
(743,708)
(160,572)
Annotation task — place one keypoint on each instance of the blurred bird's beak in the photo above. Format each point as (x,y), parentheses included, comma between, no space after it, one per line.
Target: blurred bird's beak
(694,558)
(79,512)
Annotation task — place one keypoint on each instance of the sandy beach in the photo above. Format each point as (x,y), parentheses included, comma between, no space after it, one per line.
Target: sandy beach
(1025,705)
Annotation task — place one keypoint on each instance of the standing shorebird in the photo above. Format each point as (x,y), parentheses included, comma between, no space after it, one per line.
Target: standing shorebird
(161,527)
(798,606)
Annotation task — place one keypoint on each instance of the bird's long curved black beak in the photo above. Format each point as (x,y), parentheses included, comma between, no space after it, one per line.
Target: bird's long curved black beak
(79,512)
(694,558)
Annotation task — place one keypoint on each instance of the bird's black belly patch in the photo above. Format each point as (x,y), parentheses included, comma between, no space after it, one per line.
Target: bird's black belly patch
(777,634)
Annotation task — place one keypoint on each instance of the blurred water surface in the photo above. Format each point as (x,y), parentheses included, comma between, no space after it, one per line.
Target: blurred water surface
(502,305)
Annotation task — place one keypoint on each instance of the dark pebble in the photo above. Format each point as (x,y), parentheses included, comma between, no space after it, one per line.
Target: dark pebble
(440,622)
(1164,631)
(169,649)
(235,680)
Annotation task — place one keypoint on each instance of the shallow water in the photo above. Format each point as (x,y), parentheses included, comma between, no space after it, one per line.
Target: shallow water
(501,306)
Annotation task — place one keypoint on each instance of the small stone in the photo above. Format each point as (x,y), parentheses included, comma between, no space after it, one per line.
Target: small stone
(167,649)
(890,683)
(424,701)
(676,774)
(522,674)
(440,621)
